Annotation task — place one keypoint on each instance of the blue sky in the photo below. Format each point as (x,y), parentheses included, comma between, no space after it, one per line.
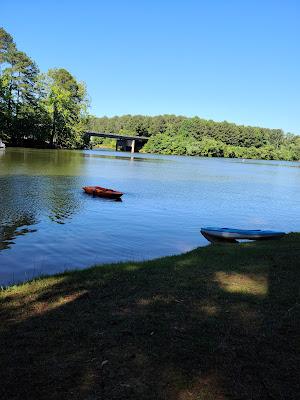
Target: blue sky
(234,60)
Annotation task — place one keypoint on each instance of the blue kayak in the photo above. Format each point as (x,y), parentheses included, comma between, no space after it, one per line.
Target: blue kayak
(231,234)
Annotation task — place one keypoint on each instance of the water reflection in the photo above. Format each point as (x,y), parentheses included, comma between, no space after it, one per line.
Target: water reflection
(61,198)
(105,200)
(268,163)
(9,232)
(166,201)
(42,162)
(33,186)
(118,156)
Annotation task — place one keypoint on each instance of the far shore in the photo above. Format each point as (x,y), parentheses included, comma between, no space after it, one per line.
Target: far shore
(112,148)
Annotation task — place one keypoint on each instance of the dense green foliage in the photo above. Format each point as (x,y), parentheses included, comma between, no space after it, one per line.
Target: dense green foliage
(170,134)
(39,109)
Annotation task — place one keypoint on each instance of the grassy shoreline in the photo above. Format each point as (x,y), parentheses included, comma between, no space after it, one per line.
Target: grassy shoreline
(219,322)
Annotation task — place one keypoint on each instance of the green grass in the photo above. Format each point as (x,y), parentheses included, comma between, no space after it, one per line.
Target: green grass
(220,322)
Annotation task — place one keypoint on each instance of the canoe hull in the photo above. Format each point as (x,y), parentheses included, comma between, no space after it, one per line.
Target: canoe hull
(231,234)
(102,192)
(215,239)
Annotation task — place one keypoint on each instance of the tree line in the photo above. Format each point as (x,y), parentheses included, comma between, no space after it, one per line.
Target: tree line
(38,109)
(171,134)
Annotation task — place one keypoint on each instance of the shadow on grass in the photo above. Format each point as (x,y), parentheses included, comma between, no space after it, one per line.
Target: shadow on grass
(217,323)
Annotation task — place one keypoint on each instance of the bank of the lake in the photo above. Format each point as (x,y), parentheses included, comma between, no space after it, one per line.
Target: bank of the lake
(219,322)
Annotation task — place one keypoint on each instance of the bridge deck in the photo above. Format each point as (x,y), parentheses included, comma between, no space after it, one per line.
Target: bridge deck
(117,136)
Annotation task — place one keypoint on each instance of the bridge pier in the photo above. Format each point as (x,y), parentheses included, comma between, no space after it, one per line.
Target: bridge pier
(132,146)
(86,140)
(128,145)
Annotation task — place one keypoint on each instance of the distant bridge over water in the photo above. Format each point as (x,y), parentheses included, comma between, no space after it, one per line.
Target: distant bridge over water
(123,142)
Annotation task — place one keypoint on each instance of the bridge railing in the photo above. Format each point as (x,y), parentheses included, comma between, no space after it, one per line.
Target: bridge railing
(116,136)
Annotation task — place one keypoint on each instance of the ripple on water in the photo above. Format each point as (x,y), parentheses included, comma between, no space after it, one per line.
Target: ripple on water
(47,223)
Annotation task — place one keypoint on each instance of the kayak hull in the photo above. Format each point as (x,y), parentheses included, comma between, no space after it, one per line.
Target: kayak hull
(231,234)
(102,192)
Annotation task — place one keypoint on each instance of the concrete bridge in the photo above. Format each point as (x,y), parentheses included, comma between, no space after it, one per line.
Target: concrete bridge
(123,142)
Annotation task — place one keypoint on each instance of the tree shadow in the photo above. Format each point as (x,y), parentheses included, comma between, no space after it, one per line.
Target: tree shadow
(191,327)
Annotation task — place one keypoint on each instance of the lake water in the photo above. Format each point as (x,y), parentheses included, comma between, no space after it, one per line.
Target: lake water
(48,224)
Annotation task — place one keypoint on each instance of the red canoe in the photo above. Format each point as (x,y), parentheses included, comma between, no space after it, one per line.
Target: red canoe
(102,192)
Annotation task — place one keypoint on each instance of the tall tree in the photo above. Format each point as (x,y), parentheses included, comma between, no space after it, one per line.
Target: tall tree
(17,85)
(66,102)
(7,47)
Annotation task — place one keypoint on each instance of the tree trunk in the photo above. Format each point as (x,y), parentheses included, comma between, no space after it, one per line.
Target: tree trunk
(53,133)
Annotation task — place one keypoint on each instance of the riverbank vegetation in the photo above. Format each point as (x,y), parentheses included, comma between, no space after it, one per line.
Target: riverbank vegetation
(220,322)
(171,134)
(38,109)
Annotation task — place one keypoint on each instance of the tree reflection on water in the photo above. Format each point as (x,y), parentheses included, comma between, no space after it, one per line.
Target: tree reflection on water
(36,184)
(18,227)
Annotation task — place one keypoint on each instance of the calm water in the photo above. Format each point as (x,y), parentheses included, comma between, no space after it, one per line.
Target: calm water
(48,224)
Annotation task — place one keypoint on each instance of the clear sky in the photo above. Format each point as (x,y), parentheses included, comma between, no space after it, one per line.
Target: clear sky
(234,60)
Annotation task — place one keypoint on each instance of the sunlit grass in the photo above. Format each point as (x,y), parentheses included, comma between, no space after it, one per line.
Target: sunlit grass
(243,283)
